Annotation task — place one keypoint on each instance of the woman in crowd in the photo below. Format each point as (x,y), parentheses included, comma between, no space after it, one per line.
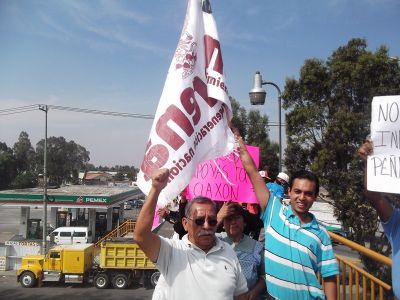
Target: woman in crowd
(250,252)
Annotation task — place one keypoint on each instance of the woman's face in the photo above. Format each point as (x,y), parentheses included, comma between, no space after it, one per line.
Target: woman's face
(234,225)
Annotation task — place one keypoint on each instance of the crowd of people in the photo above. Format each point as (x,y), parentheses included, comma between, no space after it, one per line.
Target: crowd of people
(217,254)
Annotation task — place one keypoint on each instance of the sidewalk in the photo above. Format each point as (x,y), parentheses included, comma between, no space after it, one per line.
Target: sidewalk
(8,273)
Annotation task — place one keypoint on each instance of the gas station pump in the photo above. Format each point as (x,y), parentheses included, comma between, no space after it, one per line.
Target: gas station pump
(101,224)
(63,219)
(116,217)
(34,230)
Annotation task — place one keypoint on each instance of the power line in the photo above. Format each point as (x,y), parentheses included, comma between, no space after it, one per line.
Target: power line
(17,110)
(23,109)
(102,112)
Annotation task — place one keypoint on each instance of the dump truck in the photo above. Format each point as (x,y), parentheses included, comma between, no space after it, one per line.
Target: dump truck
(117,263)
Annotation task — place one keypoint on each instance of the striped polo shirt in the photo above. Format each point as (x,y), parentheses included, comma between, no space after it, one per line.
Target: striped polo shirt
(294,253)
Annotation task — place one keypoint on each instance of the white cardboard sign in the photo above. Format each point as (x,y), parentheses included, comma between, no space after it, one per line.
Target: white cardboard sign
(384,164)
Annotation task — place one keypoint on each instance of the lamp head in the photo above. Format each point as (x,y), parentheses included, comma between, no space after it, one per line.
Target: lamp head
(257,93)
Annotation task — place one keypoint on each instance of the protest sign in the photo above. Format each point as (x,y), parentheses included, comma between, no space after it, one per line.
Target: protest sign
(224,179)
(191,123)
(384,165)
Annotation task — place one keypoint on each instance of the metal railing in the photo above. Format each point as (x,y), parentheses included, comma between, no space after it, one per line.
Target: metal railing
(353,281)
(127,227)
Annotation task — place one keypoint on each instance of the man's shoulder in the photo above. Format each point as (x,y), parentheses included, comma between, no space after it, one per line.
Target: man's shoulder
(174,243)
(320,236)
(224,248)
(320,230)
(392,226)
(396,213)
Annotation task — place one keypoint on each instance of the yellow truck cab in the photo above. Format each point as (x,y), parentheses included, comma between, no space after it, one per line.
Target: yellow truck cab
(31,270)
(67,263)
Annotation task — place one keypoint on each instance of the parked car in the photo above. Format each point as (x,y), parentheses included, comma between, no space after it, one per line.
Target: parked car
(70,235)
(137,203)
(127,205)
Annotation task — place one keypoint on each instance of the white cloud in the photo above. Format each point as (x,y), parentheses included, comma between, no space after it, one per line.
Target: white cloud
(113,9)
(105,25)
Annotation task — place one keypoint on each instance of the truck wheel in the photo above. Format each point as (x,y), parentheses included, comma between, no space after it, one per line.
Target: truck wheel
(27,279)
(101,281)
(154,278)
(120,281)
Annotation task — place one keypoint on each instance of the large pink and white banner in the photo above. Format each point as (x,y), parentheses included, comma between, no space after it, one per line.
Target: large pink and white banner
(191,121)
(224,179)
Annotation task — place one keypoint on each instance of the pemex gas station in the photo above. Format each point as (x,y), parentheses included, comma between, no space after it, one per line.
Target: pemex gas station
(100,208)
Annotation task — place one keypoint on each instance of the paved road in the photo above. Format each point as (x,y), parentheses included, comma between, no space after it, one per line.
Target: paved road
(10,289)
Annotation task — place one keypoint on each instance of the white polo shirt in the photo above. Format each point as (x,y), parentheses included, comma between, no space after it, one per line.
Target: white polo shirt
(190,273)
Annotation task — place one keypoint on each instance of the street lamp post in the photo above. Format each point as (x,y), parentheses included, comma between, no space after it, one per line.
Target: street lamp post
(257,97)
(44,242)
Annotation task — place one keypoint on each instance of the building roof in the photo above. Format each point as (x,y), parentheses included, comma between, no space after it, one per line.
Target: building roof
(71,196)
(93,176)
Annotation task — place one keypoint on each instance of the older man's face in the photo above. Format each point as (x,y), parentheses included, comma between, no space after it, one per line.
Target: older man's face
(201,225)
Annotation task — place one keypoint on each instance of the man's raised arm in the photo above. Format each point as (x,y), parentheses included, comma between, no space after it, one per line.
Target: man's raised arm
(260,189)
(148,241)
(381,205)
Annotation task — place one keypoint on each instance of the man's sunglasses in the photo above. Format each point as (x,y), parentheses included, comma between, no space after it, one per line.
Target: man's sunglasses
(201,221)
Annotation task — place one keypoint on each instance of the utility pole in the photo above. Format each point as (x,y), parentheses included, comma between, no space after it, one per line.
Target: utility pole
(44,241)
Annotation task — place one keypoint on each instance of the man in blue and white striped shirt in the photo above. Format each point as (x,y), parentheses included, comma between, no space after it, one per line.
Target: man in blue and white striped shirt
(297,247)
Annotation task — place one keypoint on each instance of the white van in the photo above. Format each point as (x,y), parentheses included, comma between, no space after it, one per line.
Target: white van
(70,235)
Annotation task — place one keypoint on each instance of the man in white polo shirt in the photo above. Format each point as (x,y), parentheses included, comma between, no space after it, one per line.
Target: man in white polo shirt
(199,266)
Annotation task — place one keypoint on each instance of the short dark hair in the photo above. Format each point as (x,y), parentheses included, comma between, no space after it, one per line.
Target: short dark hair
(239,210)
(201,200)
(304,174)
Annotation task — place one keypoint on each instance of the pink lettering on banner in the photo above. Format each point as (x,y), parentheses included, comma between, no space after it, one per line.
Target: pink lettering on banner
(224,179)
(156,219)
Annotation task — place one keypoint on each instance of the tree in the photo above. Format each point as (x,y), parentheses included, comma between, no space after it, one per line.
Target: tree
(239,118)
(89,167)
(8,169)
(329,116)
(64,159)
(119,176)
(24,154)
(24,180)
(128,170)
(253,127)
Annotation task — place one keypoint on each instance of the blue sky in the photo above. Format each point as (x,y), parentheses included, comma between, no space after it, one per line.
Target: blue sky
(114,56)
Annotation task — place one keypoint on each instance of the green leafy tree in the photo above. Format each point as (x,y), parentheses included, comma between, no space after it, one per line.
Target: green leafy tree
(64,159)
(239,118)
(119,176)
(128,170)
(24,153)
(8,168)
(329,116)
(89,167)
(25,163)
(24,180)
(253,127)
